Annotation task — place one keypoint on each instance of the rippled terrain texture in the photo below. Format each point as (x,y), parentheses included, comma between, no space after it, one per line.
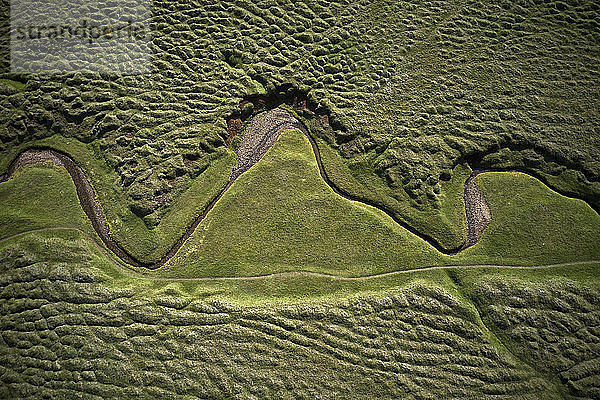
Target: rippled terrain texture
(404,100)
(67,334)
(413,88)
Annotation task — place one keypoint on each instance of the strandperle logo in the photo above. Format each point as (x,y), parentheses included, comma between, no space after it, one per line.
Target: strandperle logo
(84,31)
(80,36)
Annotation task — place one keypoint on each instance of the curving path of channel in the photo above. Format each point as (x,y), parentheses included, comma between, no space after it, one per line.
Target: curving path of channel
(259,136)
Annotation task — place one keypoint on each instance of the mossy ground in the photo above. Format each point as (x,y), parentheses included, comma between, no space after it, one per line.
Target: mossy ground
(147,244)
(94,329)
(280,216)
(413,90)
(417,93)
(73,315)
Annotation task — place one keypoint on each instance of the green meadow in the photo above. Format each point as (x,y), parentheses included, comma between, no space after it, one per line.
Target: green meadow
(287,290)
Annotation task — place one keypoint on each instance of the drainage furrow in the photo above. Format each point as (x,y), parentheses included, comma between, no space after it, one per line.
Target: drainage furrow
(260,135)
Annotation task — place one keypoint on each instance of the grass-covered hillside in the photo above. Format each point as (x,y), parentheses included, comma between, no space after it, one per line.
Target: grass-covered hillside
(412,89)
(281,216)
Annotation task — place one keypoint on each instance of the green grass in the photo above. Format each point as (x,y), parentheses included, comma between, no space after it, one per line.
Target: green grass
(129,230)
(444,224)
(16,85)
(149,245)
(531,224)
(417,332)
(71,244)
(37,198)
(413,92)
(416,91)
(281,216)
(57,245)
(438,322)
(534,312)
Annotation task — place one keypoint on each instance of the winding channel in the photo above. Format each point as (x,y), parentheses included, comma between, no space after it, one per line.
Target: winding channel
(259,136)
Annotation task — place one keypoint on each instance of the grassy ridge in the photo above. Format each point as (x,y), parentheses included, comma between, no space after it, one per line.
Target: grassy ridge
(310,228)
(282,216)
(446,224)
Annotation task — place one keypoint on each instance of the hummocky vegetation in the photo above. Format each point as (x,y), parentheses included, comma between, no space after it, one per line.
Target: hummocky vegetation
(88,329)
(412,90)
(337,266)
